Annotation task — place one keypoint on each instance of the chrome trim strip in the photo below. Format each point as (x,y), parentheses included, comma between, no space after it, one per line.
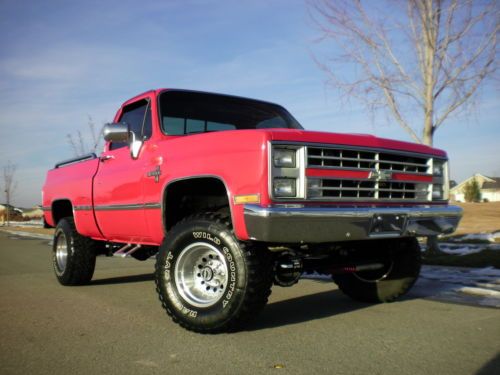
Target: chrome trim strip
(349,211)
(77,159)
(82,208)
(359,148)
(366,170)
(47,208)
(117,207)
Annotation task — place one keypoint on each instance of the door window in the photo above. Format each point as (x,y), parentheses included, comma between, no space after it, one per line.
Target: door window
(138,117)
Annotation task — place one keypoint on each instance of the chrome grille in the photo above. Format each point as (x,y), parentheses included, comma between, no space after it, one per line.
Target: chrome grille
(328,188)
(361,159)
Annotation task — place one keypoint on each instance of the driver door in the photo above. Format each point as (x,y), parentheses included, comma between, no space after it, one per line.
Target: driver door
(118,184)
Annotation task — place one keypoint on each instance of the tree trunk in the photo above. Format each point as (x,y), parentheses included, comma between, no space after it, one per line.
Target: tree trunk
(428,130)
(7,194)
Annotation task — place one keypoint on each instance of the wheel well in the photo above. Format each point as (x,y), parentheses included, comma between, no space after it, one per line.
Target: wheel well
(186,197)
(60,209)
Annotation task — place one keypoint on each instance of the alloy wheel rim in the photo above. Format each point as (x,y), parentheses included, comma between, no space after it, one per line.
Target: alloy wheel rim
(201,274)
(61,253)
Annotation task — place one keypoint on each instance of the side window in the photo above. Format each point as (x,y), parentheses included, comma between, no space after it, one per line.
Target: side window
(138,117)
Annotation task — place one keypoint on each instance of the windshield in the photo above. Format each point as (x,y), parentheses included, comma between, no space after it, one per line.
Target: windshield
(185,112)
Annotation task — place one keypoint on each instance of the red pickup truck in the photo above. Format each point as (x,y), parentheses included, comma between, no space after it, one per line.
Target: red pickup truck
(232,195)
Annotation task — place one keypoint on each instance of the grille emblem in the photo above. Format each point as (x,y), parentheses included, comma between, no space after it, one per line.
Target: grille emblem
(380,175)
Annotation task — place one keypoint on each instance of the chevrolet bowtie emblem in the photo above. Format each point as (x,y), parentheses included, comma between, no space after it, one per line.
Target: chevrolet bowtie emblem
(156,173)
(380,175)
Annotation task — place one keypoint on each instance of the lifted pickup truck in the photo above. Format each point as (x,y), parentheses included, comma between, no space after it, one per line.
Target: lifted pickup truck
(232,195)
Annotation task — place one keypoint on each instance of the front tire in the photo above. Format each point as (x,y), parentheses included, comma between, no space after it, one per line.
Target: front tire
(207,280)
(73,255)
(401,267)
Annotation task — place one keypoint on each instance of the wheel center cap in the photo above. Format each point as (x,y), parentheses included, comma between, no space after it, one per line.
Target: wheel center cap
(207,274)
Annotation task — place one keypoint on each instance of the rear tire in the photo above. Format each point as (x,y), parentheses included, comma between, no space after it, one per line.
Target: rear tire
(73,255)
(401,259)
(207,280)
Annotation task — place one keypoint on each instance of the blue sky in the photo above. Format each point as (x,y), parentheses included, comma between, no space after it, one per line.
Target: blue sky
(61,61)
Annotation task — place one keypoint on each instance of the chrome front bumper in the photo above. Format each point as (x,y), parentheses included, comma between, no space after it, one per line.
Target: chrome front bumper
(303,224)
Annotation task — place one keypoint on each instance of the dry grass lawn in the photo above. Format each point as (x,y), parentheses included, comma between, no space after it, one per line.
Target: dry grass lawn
(479,217)
(49,231)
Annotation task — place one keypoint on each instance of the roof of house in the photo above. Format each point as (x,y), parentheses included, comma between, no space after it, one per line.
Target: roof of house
(489,183)
(495,184)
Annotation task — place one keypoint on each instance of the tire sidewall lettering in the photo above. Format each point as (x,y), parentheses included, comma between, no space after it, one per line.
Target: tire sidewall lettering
(206,236)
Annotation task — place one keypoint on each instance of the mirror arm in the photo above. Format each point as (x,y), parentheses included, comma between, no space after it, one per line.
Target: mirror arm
(135,145)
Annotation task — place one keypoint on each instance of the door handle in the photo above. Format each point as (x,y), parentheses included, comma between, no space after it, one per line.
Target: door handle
(106,157)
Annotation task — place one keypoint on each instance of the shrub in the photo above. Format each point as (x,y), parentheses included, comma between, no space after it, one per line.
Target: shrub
(472,192)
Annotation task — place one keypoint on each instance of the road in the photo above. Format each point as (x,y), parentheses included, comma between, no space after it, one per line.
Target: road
(116,326)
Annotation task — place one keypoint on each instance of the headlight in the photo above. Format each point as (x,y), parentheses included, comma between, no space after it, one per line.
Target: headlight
(284,158)
(285,187)
(438,168)
(437,192)
(440,179)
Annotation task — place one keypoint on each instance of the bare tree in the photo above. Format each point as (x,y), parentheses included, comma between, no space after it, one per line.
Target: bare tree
(421,60)
(9,185)
(79,143)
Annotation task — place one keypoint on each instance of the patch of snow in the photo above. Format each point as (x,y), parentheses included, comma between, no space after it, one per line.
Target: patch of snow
(487,271)
(479,236)
(465,248)
(479,292)
(479,286)
(460,249)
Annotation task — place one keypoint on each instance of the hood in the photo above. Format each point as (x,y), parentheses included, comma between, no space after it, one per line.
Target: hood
(360,140)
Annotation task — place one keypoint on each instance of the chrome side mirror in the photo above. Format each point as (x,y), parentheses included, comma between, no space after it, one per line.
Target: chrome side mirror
(120,132)
(116,132)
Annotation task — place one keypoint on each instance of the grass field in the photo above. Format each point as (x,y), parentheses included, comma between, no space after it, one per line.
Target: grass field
(479,217)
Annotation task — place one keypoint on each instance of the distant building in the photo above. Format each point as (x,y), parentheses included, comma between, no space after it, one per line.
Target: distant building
(489,186)
(34,213)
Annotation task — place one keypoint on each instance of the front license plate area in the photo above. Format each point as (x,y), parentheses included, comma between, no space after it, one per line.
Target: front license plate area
(387,224)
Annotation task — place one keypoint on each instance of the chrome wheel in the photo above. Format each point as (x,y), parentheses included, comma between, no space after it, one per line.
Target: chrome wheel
(201,274)
(61,253)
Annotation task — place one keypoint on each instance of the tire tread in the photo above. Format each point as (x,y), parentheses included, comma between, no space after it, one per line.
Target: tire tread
(81,262)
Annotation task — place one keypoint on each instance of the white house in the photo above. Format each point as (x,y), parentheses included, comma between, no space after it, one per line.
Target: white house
(3,214)
(489,186)
(34,213)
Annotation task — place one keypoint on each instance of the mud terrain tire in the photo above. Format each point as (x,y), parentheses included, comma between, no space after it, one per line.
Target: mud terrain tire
(73,255)
(207,280)
(402,259)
